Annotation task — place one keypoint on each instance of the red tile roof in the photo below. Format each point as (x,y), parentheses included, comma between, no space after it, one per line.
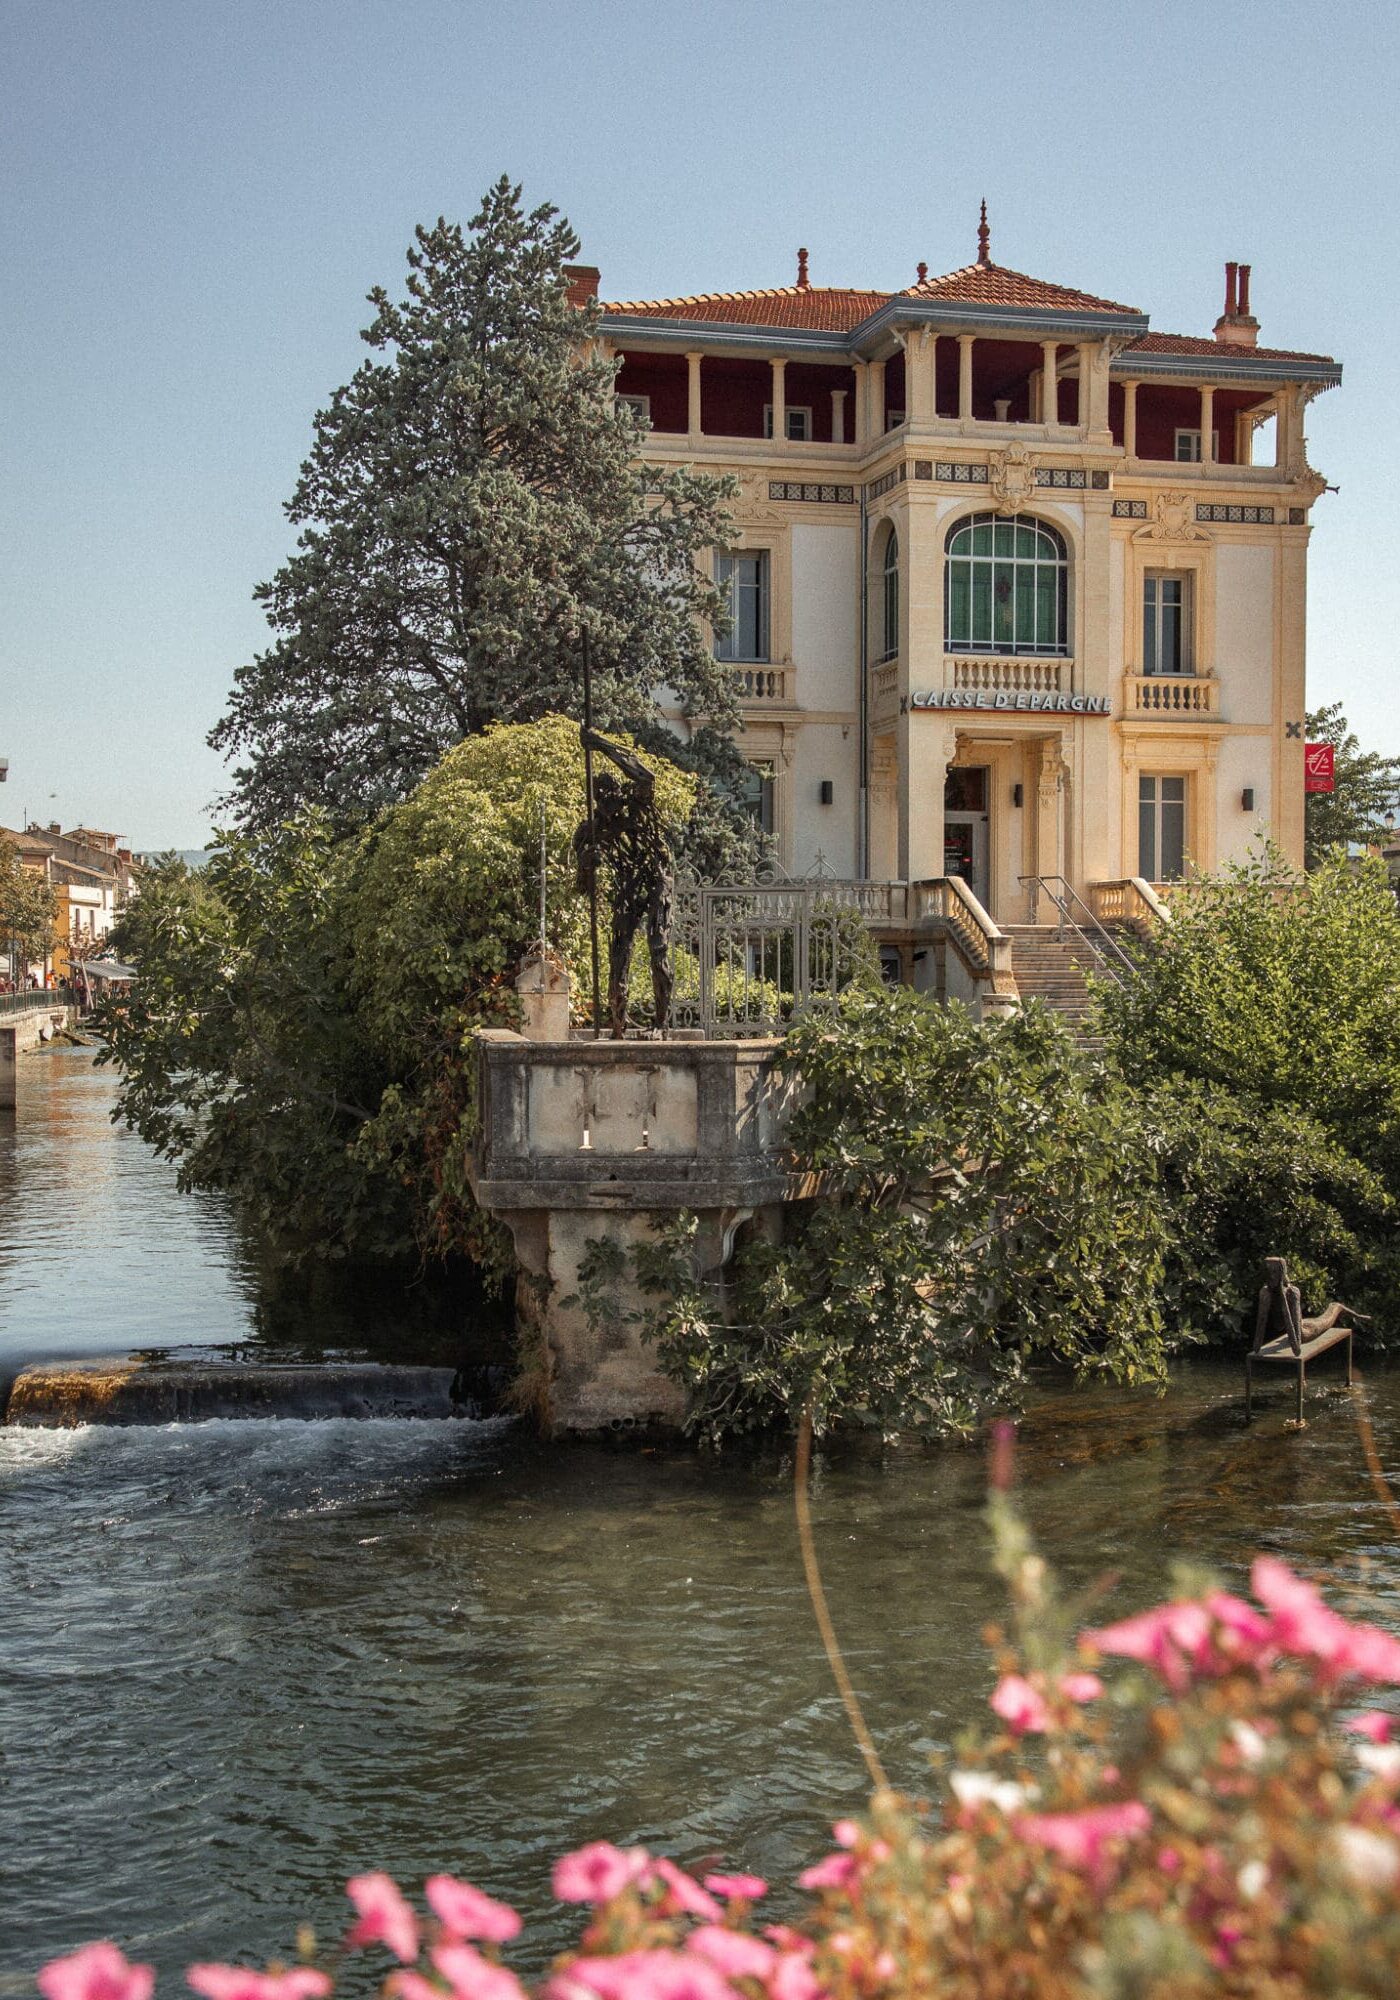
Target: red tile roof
(827,308)
(996,285)
(1194,344)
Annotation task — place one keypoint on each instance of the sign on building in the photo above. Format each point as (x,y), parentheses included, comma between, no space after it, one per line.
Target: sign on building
(1319,767)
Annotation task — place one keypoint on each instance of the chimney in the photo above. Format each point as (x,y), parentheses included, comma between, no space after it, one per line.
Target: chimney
(1237,326)
(582,281)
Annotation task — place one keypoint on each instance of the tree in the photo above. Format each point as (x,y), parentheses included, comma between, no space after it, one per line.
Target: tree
(986,1200)
(470,508)
(28,909)
(299,1036)
(1366,787)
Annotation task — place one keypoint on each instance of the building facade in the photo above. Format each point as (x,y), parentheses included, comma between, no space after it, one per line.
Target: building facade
(1018,585)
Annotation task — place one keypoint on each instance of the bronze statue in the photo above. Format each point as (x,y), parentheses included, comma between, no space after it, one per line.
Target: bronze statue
(1284,1334)
(626,835)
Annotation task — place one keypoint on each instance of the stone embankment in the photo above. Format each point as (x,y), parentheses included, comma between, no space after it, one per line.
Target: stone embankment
(134,1390)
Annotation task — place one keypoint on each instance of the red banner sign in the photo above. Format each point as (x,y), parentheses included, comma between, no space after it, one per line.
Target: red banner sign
(1319,767)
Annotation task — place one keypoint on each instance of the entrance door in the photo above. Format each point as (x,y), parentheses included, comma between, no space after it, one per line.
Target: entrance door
(965,829)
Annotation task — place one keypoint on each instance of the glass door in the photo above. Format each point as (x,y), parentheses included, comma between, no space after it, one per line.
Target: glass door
(966,829)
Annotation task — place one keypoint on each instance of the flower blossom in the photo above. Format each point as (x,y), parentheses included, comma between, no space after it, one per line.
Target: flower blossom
(97,1972)
(467,1913)
(1303,1625)
(793,1978)
(1368,1858)
(1021,1707)
(981,1788)
(1081,1687)
(598,1872)
(836,1871)
(1372,1723)
(733,1953)
(473,1977)
(652,1975)
(240,1982)
(1173,1639)
(385,1917)
(738,1888)
(684,1891)
(1079,1838)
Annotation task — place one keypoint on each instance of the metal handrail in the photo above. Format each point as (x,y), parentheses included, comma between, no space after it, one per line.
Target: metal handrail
(31,999)
(1104,945)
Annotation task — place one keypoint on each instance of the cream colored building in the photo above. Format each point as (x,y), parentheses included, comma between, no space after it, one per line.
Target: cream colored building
(1019,585)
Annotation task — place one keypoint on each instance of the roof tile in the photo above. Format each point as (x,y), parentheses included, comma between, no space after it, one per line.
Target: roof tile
(997,285)
(826,308)
(1195,344)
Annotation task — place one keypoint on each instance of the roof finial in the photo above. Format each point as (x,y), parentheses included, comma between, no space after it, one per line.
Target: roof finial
(802,284)
(921,277)
(984,237)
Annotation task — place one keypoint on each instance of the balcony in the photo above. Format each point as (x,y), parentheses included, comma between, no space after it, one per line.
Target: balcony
(765,686)
(1191,697)
(972,673)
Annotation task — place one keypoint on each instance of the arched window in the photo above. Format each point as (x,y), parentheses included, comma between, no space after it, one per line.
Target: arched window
(1006,586)
(891,598)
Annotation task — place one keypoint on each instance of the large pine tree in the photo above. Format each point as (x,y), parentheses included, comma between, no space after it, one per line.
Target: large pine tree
(471,506)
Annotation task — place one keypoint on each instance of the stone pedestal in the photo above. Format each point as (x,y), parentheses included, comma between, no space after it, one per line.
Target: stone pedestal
(590,1142)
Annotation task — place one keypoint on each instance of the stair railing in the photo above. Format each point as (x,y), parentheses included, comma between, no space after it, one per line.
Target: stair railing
(1085,926)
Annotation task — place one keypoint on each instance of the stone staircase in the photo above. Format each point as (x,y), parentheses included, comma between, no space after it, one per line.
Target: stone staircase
(1051,967)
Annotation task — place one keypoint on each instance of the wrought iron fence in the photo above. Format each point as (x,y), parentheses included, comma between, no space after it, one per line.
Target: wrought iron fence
(749,956)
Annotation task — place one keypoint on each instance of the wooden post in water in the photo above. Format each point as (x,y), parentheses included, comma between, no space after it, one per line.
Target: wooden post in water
(9,1068)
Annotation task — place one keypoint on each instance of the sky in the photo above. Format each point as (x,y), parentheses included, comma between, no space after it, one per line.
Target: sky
(199,194)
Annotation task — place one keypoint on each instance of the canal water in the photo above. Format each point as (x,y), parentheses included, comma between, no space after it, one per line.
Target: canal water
(240,1661)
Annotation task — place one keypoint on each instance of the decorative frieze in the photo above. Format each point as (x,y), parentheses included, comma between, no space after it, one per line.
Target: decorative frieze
(1130,510)
(886,482)
(812,490)
(1214,510)
(1062,475)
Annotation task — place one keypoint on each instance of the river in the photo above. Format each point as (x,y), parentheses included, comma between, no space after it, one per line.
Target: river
(239,1661)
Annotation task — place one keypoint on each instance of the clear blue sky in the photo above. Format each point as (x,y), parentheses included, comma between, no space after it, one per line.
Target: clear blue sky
(200,192)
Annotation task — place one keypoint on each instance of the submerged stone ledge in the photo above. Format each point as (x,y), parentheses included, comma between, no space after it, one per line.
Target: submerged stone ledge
(125,1389)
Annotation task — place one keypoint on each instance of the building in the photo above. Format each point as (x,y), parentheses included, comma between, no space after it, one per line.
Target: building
(90,874)
(1018,584)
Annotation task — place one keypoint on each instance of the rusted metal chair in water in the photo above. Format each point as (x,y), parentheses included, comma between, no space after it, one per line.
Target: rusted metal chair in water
(1282,1334)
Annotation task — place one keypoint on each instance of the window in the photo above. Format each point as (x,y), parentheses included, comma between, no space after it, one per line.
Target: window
(1006,586)
(893,419)
(799,422)
(1166,624)
(1161,828)
(1188,447)
(756,795)
(891,598)
(743,577)
(640,406)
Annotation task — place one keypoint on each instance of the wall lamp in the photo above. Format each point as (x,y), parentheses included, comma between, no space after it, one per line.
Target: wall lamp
(1018,795)
(828,791)
(1247,799)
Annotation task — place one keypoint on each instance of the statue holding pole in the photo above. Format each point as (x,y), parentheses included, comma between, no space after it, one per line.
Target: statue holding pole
(624,833)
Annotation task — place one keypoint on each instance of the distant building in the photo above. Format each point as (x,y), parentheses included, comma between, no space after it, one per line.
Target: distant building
(1013,595)
(91,876)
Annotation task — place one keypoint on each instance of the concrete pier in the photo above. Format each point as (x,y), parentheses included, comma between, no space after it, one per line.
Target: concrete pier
(25,1028)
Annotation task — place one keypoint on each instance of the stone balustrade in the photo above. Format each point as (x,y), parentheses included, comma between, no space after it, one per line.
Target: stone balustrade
(1187,695)
(766,686)
(1007,674)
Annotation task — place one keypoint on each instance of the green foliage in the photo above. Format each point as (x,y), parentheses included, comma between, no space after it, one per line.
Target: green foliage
(1367,786)
(1282,991)
(984,1198)
(300,1035)
(470,508)
(28,908)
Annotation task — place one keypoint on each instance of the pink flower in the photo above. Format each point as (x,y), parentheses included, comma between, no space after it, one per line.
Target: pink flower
(837,1871)
(845,1832)
(1301,1623)
(1244,1629)
(685,1892)
(793,1979)
(97,1972)
(1374,1724)
(467,1913)
(473,1977)
(1081,1687)
(652,1975)
(740,1888)
(412,1986)
(1169,1861)
(733,1953)
(598,1872)
(385,1917)
(1171,1639)
(1079,1838)
(240,1982)
(1372,1655)
(1019,1705)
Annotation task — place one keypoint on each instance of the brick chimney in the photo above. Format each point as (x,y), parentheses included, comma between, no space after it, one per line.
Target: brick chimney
(1237,326)
(582,280)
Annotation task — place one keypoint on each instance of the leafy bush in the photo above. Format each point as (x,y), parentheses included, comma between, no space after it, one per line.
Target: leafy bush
(1213,1822)
(981,1197)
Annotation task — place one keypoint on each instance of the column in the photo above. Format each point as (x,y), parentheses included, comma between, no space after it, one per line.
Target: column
(693,424)
(1050,382)
(927,746)
(1093,392)
(860,424)
(875,401)
(965,341)
(1207,425)
(1130,390)
(779,367)
(838,416)
(920,348)
(1049,860)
